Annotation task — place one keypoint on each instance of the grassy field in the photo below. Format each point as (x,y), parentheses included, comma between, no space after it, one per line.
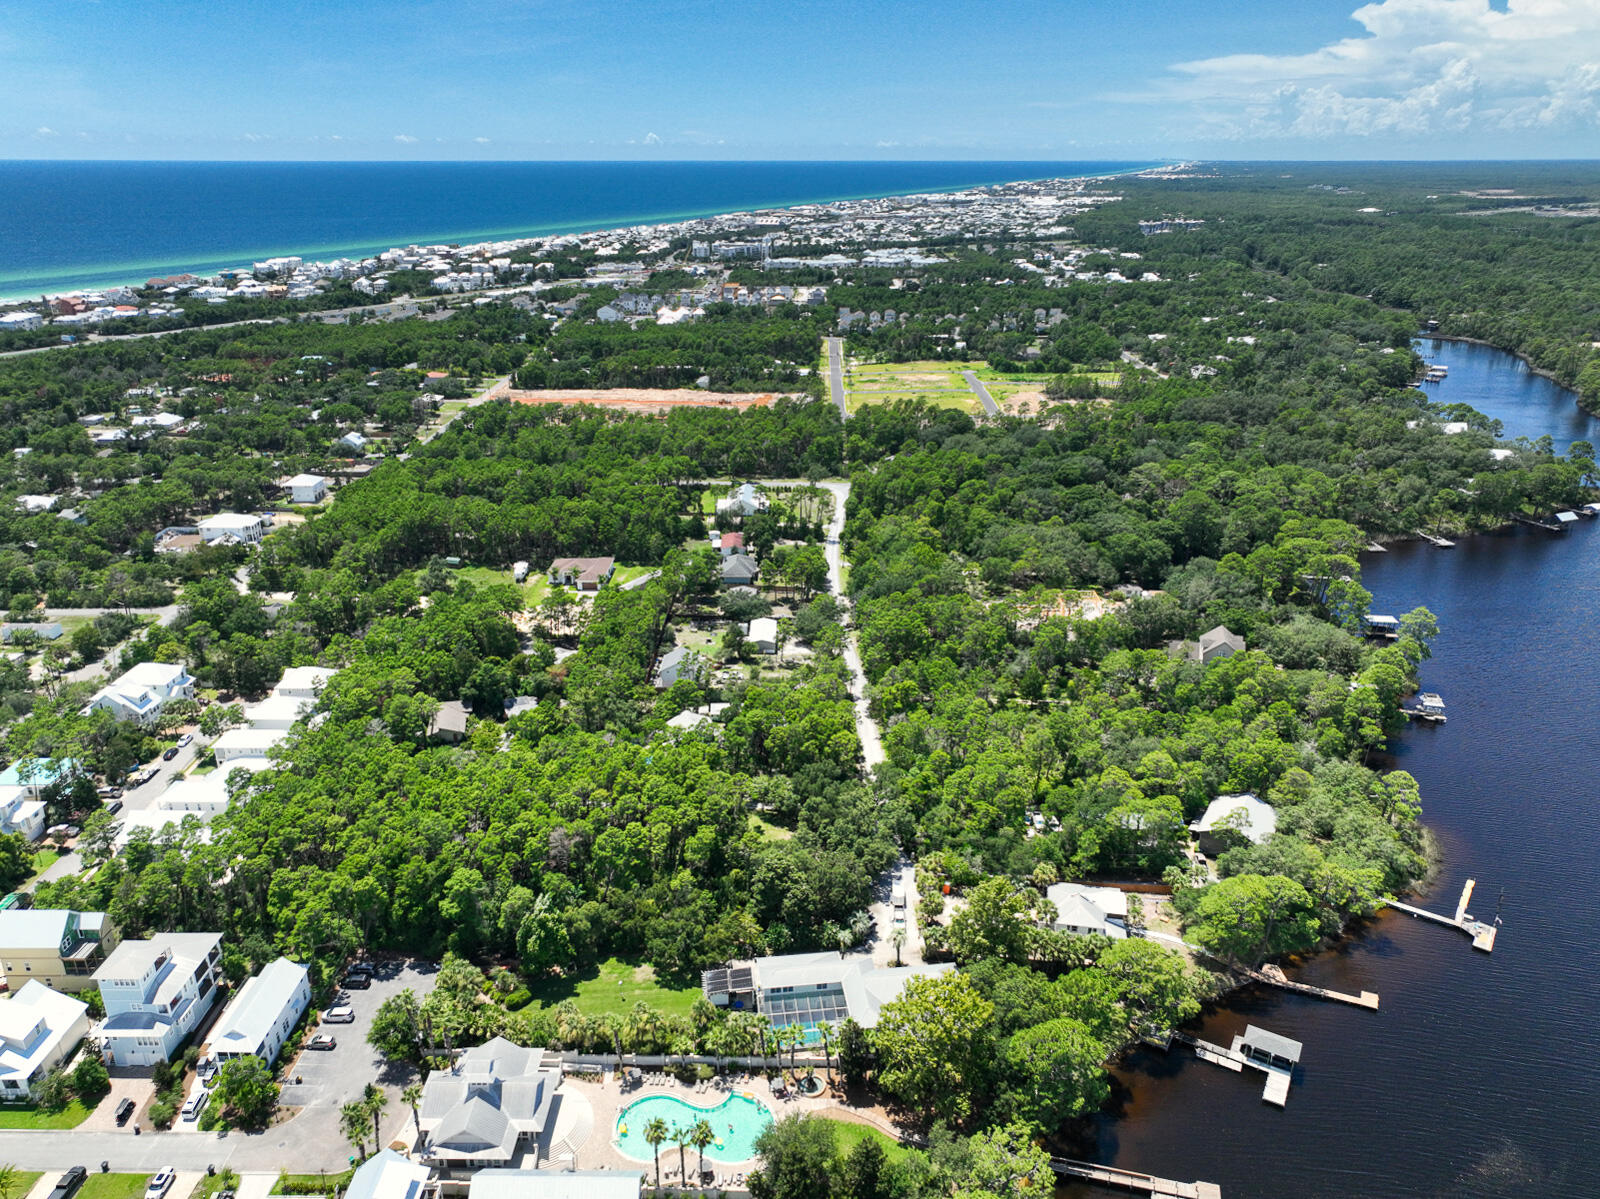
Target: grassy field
(770,832)
(626,574)
(848,1135)
(615,986)
(28,1116)
(43,859)
(23,1180)
(113,1186)
(939,383)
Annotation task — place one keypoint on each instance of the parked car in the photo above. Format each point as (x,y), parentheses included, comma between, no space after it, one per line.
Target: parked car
(323,1040)
(193,1104)
(339,1015)
(69,1183)
(125,1109)
(170,754)
(161,1183)
(186,739)
(206,1068)
(357,982)
(114,806)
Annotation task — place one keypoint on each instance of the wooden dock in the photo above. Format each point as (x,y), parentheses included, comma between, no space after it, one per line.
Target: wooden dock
(1276,1090)
(1549,526)
(1483,935)
(1441,543)
(1272,976)
(1131,1180)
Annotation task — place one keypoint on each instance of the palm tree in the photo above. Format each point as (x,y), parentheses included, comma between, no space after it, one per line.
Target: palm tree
(701,1136)
(655,1132)
(825,1030)
(680,1138)
(373,1101)
(412,1098)
(9,1179)
(353,1123)
(797,1038)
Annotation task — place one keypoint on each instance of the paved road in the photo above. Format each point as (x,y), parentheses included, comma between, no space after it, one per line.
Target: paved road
(836,375)
(982,392)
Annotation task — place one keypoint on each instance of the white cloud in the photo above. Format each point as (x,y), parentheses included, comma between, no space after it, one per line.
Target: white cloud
(482,141)
(44,131)
(405,139)
(1423,67)
(650,139)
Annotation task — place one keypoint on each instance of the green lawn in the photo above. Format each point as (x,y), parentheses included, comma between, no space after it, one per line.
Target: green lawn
(848,1135)
(615,986)
(43,859)
(768,831)
(23,1180)
(626,574)
(28,1116)
(113,1186)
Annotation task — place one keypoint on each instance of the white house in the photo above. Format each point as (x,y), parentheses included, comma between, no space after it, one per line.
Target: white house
(39,1029)
(492,1103)
(140,693)
(261,1016)
(305,682)
(389,1175)
(746,500)
(762,634)
(12,321)
(1084,910)
(246,528)
(1254,818)
(278,711)
(352,441)
(246,743)
(556,1184)
(307,489)
(680,663)
(808,989)
(156,993)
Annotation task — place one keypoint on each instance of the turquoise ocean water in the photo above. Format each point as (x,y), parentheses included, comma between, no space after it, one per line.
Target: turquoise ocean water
(66,225)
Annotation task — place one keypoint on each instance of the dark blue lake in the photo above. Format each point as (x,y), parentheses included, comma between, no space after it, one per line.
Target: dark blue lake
(1479,1074)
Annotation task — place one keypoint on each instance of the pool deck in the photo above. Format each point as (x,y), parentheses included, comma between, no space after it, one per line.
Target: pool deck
(607,1100)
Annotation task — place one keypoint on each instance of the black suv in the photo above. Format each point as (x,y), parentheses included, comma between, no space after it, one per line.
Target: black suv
(69,1183)
(125,1109)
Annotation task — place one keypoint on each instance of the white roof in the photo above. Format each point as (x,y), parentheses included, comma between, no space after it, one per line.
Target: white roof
(303,480)
(764,628)
(20,1017)
(1080,906)
(231,520)
(388,1175)
(1261,821)
(133,957)
(303,678)
(556,1184)
(195,792)
(258,1006)
(152,674)
(688,720)
(246,740)
(278,710)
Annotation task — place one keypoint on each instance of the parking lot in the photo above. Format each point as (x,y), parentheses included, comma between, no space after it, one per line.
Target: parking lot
(330,1078)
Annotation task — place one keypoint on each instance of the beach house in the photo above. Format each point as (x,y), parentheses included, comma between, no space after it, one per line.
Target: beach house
(156,993)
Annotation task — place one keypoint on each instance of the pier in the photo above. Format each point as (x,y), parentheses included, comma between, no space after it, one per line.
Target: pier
(1533,522)
(1130,1180)
(1438,543)
(1258,1049)
(1483,935)
(1272,976)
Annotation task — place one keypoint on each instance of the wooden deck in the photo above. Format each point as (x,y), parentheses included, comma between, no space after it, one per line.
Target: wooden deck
(1274,977)
(1482,934)
(1276,1090)
(1131,1180)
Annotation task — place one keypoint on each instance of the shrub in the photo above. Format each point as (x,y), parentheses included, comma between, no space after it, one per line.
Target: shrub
(90,1080)
(518,999)
(162,1111)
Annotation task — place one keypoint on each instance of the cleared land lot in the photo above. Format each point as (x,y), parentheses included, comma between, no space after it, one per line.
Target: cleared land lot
(941,384)
(649,401)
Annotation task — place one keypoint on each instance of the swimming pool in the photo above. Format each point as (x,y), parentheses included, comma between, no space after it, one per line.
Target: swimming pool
(738,1120)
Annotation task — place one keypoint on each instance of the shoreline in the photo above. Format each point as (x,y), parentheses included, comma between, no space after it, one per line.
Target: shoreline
(366,249)
(1577,397)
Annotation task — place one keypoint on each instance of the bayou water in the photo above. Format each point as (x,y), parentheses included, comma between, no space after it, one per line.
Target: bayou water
(1479,1075)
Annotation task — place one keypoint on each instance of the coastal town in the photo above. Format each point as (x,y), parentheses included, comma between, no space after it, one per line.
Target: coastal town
(686,707)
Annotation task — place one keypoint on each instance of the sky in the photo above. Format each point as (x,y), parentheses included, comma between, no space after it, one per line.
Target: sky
(800,79)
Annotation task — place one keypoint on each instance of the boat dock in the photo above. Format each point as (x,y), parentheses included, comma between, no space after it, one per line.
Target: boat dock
(1483,935)
(1272,976)
(1130,1180)
(1439,543)
(1533,522)
(1258,1049)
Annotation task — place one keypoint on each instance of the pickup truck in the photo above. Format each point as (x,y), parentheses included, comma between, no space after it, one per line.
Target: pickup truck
(69,1183)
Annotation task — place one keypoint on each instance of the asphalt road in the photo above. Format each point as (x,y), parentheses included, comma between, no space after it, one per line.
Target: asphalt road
(982,392)
(836,375)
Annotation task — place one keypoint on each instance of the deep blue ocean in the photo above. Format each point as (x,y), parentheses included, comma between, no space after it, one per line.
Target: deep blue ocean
(65,225)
